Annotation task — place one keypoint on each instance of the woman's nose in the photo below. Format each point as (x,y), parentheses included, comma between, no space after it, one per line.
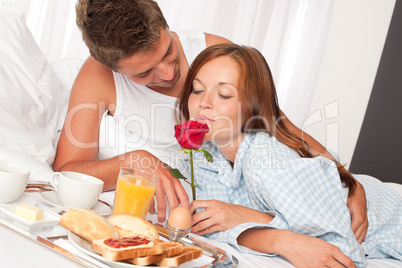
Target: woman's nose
(206,101)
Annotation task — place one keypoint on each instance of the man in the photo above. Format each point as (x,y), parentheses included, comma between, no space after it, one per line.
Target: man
(122,102)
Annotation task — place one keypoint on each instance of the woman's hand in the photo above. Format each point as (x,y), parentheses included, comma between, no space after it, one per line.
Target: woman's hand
(357,205)
(307,251)
(301,250)
(222,216)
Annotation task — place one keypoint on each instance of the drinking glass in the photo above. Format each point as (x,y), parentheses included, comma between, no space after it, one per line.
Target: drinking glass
(134,191)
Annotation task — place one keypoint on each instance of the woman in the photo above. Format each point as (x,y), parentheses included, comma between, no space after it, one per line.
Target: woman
(264,182)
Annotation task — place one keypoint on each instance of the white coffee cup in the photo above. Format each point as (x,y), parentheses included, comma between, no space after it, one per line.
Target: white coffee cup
(77,190)
(13,180)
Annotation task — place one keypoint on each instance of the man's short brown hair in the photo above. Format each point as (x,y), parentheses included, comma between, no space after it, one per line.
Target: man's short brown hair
(118,29)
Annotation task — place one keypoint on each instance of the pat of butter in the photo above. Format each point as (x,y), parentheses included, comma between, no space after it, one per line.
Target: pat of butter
(30,213)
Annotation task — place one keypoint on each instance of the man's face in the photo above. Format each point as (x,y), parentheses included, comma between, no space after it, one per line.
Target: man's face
(157,68)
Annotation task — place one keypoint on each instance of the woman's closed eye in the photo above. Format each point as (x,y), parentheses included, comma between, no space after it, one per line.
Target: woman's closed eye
(225,97)
(222,96)
(197,91)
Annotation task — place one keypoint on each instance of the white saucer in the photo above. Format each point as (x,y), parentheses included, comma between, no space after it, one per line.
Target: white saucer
(52,199)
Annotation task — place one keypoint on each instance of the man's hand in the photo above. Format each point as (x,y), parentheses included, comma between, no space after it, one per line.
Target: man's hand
(173,190)
(357,205)
(168,187)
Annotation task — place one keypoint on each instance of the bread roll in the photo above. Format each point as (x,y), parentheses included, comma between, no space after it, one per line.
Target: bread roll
(130,225)
(87,224)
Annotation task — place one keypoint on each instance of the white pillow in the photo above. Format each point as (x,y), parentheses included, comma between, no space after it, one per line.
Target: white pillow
(39,171)
(30,94)
(67,70)
(396,186)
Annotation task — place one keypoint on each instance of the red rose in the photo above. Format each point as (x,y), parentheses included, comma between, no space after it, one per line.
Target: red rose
(190,134)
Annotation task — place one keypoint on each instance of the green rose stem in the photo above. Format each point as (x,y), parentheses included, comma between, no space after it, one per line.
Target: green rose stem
(176,173)
(192,176)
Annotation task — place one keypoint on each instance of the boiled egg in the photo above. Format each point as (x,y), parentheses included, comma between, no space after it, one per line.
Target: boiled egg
(180,217)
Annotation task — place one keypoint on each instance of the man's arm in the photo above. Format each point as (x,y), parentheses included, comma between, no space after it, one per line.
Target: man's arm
(315,147)
(93,94)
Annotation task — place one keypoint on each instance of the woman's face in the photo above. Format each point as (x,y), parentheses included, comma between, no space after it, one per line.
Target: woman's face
(215,100)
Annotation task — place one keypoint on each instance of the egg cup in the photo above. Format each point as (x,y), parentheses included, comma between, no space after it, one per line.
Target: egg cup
(175,234)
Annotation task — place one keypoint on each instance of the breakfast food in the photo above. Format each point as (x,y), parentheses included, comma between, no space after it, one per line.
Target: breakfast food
(128,238)
(169,249)
(87,224)
(180,217)
(123,248)
(130,225)
(30,213)
(188,254)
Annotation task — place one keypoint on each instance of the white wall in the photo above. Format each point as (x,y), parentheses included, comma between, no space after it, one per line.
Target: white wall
(355,41)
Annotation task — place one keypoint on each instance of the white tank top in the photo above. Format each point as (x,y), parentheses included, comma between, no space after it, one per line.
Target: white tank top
(144,119)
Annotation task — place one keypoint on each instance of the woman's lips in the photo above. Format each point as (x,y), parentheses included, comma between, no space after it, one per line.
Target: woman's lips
(202,119)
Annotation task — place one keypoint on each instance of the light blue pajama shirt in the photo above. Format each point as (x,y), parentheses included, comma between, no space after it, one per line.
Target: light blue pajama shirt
(304,195)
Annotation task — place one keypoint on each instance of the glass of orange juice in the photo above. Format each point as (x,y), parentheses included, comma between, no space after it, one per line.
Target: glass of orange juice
(134,191)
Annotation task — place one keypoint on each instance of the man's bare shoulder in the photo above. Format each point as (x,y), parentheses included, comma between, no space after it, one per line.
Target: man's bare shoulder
(92,66)
(212,39)
(94,83)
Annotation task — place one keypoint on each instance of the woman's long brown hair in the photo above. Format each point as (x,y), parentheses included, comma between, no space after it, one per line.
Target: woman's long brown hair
(258,98)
